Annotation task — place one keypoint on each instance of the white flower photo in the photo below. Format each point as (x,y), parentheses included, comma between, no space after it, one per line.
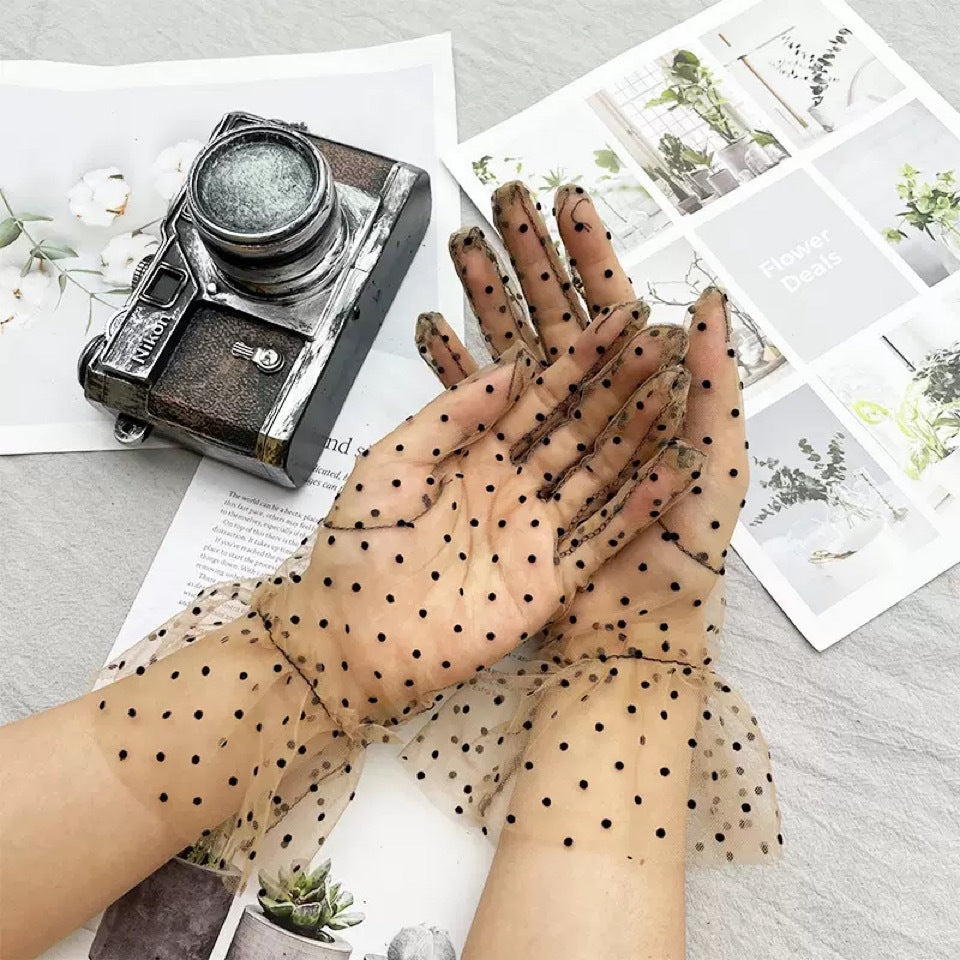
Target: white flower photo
(23,296)
(825,513)
(119,258)
(100,197)
(901,175)
(171,168)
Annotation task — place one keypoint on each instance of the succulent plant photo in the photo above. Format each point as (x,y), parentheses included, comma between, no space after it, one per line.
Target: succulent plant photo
(305,902)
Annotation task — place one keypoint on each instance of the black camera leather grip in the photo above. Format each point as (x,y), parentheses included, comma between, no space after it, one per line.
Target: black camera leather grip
(207,389)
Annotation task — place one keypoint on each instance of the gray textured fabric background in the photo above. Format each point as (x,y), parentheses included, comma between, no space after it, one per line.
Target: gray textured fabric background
(865,737)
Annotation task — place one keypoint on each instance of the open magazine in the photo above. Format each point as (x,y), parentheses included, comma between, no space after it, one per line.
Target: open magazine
(784,152)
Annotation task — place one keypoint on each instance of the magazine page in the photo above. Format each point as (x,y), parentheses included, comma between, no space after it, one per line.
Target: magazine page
(787,154)
(82,196)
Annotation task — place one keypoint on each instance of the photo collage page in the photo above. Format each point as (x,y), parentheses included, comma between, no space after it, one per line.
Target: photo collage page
(783,152)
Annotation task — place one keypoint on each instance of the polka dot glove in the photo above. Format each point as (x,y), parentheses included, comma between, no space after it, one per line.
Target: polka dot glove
(630,656)
(454,539)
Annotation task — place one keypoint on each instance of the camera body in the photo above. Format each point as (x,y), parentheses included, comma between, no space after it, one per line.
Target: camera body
(245,331)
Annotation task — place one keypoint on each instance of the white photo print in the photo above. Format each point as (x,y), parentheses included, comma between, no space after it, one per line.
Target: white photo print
(903,177)
(904,387)
(689,129)
(673,277)
(806,265)
(824,512)
(568,145)
(803,65)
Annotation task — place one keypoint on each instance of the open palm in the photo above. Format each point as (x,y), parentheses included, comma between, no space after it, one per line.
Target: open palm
(664,583)
(479,519)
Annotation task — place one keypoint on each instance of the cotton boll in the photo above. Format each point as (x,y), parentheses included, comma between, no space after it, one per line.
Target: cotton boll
(172,166)
(421,943)
(100,197)
(21,298)
(119,258)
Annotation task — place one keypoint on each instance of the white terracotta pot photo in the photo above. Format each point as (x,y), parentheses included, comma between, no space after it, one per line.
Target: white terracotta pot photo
(946,473)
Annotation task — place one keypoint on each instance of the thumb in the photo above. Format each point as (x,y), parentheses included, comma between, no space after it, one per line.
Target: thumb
(652,490)
(394,481)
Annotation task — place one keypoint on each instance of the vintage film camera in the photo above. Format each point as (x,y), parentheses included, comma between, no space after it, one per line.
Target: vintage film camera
(277,264)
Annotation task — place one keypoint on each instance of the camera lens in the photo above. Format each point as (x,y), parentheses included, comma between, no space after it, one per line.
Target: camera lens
(265,204)
(252,186)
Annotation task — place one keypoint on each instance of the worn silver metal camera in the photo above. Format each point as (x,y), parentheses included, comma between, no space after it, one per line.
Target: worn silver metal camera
(277,264)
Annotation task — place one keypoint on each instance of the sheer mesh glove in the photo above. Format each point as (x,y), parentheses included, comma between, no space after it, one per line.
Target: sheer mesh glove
(644,622)
(462,532)
(455,538)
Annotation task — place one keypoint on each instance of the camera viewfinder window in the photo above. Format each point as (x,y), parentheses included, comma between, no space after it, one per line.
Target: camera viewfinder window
(165,285)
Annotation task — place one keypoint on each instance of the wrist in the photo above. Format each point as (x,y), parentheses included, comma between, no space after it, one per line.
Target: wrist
(608,763)
(355,683)
(190,734)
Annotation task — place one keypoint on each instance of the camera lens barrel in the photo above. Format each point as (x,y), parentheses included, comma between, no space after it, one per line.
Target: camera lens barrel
(265,204)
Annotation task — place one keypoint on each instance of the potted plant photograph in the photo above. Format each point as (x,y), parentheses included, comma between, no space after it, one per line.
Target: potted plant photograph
(803,64)
(674,115)
(174,914)
(855,512)
(928,417)
(300,912)
(629,211)
(932,209)
(692,85)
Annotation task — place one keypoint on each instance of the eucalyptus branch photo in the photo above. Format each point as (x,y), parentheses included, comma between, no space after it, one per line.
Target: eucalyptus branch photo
(817,69)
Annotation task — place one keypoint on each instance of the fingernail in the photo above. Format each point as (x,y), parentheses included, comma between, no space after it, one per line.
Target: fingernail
(463,239)
(507,195)
(426,327)
(715,291)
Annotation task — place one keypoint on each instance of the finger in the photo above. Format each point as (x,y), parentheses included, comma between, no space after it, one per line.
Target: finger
(496,303)
(703,525)
(635,435)
(559,387)
(649,350)
(444,352)
(552,302)
(588,245)
(394,480)
(657,486)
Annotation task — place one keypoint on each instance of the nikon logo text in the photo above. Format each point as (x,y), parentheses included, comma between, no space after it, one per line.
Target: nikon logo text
(150,338)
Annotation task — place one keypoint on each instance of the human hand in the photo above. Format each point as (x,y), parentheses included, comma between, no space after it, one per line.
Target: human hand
(658,594)
(454,538)
(617,738)
(477,520)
